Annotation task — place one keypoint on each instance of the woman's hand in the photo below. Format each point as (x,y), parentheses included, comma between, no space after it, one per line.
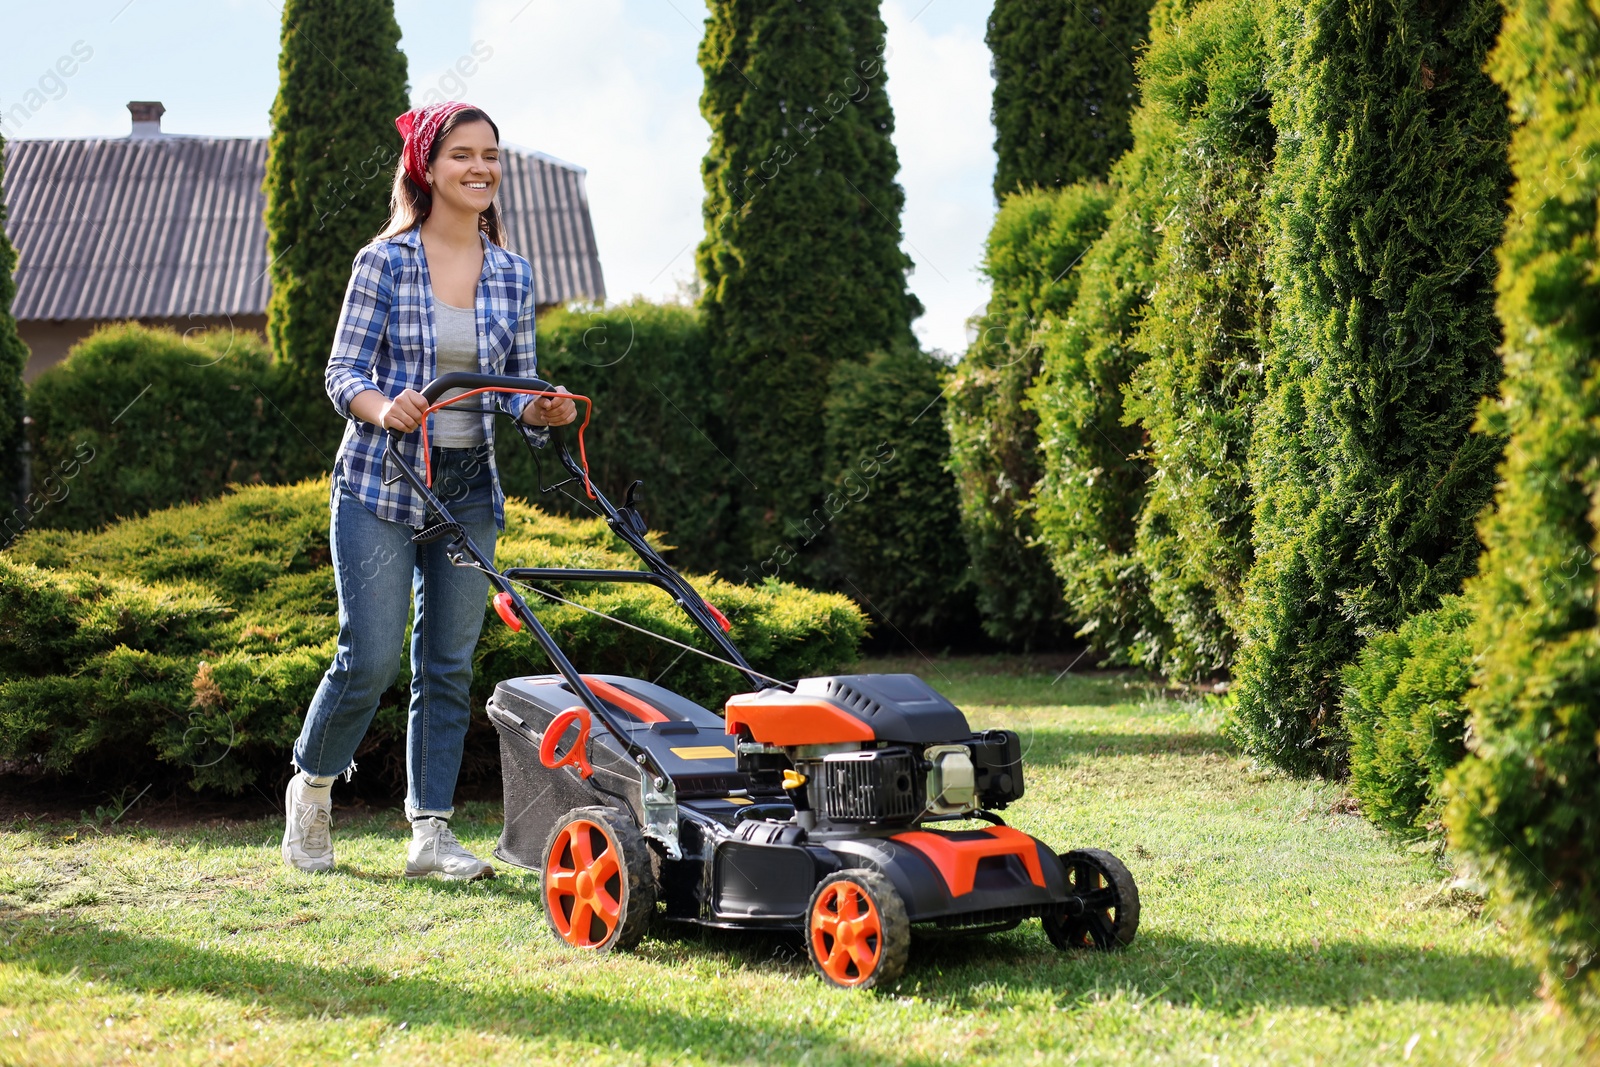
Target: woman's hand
(550,410)
(403,413)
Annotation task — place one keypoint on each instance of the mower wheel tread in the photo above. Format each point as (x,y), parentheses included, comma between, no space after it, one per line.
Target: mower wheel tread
(1097,928)
(894,927)
(636,873)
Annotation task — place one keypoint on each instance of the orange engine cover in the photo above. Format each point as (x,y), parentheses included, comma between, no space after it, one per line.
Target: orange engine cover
(774,717)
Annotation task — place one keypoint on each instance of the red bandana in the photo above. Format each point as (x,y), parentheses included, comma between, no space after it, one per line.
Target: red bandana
(419,127)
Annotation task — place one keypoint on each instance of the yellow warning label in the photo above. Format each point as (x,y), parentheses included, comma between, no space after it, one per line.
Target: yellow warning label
(703,752)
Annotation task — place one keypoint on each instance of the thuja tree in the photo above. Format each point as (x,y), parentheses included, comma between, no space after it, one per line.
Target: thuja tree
(13,357)
(1388,190)
(896,539)
(330,161)
(1527,798)
(1064,88)
(1206,326)
(1093,478)
(801,262)
(1038,239)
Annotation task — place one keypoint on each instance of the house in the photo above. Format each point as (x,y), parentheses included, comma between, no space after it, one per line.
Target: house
(167,229)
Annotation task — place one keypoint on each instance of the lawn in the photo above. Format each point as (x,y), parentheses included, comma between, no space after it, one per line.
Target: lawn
(1277,927)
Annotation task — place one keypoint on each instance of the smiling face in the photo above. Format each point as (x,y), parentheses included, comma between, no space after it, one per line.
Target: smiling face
(465,170)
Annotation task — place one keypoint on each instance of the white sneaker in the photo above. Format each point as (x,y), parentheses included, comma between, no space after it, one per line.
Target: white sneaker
(308,826)
(435,850)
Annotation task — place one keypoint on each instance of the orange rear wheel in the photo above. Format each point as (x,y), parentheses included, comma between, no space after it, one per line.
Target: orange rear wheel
(596,885)
(858,935)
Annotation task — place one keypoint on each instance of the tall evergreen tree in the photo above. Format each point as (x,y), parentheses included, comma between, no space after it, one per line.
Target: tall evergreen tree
(1094,473)
(1206,326)
(1389,190)
(330,162)
(801,262)
(1527,799)
(13,358)
(1037,241)
(1064,88)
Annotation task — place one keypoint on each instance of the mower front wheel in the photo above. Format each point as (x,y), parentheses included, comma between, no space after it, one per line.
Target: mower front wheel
(857,933)
(597,885)
(1108,902)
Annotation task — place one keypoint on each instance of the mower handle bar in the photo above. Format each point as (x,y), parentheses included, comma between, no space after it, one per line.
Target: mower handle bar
(624,523)
(468,380)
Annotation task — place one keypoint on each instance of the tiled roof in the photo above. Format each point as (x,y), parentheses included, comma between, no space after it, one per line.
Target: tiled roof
(171,226)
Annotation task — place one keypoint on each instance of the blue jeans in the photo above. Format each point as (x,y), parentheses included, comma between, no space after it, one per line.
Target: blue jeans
(379,574)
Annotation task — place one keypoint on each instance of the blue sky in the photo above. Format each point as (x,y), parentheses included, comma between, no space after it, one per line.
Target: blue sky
(611,85)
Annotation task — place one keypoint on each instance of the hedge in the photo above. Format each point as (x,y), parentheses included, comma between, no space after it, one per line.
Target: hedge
(892,514)
(1526,808)
(136,419)
(1404,712)
(1388,190)
(1036,241)
(1205,328)
(190,641)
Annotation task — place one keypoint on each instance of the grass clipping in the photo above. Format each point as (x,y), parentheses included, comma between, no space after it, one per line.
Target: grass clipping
(191,640)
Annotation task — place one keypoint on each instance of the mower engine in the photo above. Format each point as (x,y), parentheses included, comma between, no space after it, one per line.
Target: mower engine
(856,751)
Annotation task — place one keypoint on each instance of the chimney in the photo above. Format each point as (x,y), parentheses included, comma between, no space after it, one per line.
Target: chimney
(146,117)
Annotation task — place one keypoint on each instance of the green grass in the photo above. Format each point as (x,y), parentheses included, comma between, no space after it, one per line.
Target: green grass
(1276,928)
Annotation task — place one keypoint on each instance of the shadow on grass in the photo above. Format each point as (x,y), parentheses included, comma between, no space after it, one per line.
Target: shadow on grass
(1229,977)
(656,1030)
(965,971)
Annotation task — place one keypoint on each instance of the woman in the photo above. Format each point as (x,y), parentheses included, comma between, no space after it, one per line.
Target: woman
(434,292)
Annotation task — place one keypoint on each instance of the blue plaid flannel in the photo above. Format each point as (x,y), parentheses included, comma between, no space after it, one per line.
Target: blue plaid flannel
(385,340)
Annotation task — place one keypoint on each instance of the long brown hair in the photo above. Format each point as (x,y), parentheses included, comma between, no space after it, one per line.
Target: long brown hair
(409,205)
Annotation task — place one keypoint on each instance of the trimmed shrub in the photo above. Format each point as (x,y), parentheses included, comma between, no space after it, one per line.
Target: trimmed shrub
(1064,88)
(801,261)
(1037,239)
(191,640)
(892,513)
(330,162)
(1094,474)
(1205,328)
(1389,187)
(13,358)
(1404,712)
(136,419)
(1526,807)
(656,418)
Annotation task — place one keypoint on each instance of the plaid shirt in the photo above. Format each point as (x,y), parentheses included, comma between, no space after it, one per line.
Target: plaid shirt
(385,340)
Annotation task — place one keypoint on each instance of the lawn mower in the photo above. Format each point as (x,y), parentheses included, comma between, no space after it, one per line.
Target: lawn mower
(831,807)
